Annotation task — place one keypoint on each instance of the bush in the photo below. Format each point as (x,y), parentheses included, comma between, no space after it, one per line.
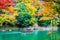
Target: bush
(25,20)
(44,22)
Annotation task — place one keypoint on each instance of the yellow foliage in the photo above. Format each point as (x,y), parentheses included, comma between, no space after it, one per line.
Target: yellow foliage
(9,18)
(46,18)
(31,7)
(10,8)
(48,11)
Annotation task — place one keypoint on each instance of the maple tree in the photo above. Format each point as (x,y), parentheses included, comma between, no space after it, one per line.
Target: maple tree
(48,12)
(5,3)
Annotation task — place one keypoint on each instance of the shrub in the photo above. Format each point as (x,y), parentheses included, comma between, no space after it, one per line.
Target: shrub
(44,22)
(25,20)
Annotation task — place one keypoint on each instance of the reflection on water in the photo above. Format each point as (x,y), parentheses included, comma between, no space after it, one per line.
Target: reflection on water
(34,35)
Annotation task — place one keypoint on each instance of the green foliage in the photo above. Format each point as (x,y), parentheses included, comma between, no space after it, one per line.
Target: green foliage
(1,12)
(44,22)
(25,15)
(22,8)
(20,5)
(2,20)
(57,6)
(25,20)
(57,1)
(55,21)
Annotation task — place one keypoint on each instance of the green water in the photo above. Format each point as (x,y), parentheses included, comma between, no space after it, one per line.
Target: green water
(42,35)
(35,35)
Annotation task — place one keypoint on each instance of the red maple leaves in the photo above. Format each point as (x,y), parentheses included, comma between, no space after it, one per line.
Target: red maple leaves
(5,3)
